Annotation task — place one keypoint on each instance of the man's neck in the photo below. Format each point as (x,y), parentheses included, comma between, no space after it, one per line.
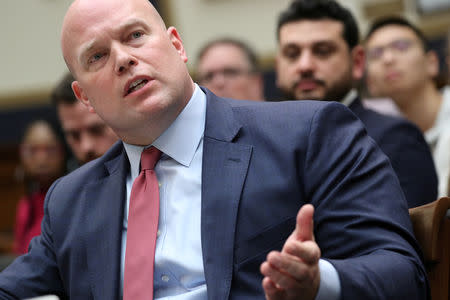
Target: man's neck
(421,106)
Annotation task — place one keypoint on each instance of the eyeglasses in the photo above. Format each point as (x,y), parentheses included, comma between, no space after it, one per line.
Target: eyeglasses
(226,73)
(397,47)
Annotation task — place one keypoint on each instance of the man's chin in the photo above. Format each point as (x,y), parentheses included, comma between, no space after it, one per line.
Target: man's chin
(308,96)
(88,159)
(302,95)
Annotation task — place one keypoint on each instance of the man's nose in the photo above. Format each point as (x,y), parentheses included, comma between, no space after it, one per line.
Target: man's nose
(387,56)
(124,60)
(87,143)
(218,80)
(305,62)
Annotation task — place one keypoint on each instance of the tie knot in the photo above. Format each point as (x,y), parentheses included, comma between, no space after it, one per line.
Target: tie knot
(149,158)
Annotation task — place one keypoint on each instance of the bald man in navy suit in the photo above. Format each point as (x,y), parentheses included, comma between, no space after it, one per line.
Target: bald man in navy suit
(279,200)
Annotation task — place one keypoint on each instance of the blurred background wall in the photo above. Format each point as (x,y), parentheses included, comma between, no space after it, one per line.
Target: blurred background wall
(30,30)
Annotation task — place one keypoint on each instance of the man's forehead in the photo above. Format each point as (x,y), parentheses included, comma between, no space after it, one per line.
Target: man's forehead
(85,19)
(93,38)
(226,48)
(389,32)
(317,30)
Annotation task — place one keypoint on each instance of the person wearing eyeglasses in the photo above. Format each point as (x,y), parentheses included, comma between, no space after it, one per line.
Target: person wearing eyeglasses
(400,66)
(229,68)
(319,58)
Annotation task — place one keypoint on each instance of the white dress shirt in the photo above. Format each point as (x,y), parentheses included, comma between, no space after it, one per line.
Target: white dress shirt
(438,138)
(179,270)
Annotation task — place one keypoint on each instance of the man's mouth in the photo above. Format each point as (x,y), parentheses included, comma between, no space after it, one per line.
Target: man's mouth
(136,85)
(392,75)
(307,85)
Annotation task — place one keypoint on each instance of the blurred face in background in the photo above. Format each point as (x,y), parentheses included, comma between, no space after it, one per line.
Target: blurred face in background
(42,154)
(314,60)
(226,71)
(86,133)
(397,62)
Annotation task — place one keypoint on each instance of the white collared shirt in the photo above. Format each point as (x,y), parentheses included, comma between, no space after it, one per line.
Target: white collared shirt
(438,138)
(178,257)
(350,97)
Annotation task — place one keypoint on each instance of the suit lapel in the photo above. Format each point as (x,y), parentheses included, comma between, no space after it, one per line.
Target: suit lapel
(356,106)
(224,170)
(104,221)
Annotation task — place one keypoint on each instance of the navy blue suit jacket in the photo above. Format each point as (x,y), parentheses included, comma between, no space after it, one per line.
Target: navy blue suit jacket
(407,150)
(261,163)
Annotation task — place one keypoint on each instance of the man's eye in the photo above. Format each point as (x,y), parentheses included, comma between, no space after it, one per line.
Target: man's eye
(73,136)
(136,35)
(95,57)
(401,45)
(97,130)
(291,52)
(324,51)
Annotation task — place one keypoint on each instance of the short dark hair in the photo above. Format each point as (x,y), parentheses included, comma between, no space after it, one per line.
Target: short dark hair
(300,10)
(248,51)
(62,93)
(399,21)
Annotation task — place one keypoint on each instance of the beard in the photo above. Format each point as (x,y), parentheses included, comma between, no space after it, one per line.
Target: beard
(325,92)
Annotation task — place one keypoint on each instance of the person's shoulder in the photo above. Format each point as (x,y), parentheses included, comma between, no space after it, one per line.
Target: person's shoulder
(387,123)
(389,131)
(92,171)
(284,109)
(273,109)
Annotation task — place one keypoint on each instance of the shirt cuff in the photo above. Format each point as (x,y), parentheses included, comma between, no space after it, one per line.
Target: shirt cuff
(330,285)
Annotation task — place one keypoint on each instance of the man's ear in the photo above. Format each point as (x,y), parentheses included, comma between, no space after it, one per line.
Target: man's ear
(432,63)
(177,42)
(79,93)
(358,62)
(276,65)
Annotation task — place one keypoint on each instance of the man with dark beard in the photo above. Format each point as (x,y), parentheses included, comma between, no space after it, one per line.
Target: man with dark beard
(319,58)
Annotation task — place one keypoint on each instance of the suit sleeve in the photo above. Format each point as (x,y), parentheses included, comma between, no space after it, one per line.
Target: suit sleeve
(361,217)
(35,273)
(412,162)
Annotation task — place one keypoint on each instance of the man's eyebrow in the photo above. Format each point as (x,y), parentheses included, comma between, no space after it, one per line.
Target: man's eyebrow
(87,48)
(131,23)
(310,43)
(325,41)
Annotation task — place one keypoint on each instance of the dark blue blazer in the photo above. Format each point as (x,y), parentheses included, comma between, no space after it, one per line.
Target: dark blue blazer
(261,163)
(407,150)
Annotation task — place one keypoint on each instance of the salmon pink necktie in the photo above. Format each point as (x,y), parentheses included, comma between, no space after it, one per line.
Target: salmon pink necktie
(142,228)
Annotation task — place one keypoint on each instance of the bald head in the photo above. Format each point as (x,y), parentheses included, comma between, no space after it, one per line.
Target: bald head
(129,68)
(83,14)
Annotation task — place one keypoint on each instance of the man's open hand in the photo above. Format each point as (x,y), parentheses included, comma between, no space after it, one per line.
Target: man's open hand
(294,272)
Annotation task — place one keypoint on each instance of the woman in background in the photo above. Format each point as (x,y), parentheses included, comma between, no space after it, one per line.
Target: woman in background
(42,156)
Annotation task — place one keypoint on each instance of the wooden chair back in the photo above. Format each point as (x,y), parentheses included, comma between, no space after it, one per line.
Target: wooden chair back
(431,223)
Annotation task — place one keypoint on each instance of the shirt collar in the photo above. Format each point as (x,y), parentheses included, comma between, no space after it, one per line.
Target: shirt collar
(441,123)
(181,140)
(350,97)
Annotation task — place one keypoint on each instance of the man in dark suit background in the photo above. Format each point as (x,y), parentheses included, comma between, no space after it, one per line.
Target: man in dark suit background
(86,134)
(319,58)
(288,200)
